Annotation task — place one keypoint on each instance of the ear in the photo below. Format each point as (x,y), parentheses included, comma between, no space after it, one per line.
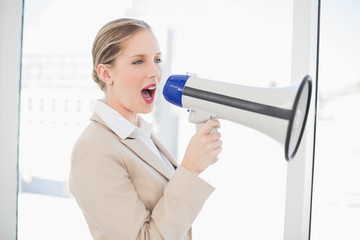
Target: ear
(104,74)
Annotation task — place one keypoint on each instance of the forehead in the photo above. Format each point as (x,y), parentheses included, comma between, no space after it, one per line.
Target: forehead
(142,42)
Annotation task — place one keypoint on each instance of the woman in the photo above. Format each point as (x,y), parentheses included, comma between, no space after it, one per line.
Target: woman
(126,183)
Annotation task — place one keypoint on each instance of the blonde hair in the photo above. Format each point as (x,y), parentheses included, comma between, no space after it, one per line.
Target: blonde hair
(108,43)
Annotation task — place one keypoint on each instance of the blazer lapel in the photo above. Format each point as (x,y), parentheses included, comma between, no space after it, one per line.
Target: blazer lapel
(143,151)
(163,149)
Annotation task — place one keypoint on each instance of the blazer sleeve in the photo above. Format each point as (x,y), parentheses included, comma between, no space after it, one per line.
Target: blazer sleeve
(109,201)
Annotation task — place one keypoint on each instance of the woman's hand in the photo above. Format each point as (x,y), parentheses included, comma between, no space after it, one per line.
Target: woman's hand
(203,148)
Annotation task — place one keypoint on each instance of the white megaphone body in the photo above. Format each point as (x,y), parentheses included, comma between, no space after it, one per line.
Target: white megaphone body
(280,113)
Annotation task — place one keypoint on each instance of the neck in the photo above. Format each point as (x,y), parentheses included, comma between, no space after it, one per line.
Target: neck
(127,114)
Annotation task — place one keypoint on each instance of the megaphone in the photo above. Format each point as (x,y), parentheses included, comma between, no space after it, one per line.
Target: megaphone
(280,113)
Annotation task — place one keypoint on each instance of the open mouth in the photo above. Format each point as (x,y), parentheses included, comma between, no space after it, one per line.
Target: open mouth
(148,93)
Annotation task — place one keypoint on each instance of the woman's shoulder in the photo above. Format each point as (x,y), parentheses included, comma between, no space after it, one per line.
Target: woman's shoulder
(95,134)
(96,145)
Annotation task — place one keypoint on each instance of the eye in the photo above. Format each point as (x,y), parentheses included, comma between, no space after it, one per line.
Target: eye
(138,62)
(158,60)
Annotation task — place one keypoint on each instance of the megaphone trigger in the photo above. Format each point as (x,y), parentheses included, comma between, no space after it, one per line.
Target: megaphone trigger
(200,117)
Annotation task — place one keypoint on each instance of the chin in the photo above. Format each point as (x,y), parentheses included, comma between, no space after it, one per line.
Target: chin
(147,110)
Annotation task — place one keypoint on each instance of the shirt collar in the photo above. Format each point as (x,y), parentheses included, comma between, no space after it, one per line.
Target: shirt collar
(145,127)
(120,125)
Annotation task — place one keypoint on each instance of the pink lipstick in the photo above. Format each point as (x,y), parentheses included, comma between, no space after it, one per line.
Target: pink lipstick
(148,93)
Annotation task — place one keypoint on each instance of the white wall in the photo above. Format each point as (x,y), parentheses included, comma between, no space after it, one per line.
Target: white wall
(10,59)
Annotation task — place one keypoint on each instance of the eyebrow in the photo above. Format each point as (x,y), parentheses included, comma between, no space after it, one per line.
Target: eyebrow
(144,55)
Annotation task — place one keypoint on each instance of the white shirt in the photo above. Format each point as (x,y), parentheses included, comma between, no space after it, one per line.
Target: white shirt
(124,128)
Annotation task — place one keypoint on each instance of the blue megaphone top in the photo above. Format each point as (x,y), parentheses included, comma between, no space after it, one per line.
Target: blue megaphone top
(174,87)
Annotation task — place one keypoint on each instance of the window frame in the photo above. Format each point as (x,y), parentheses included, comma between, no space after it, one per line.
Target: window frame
(305,54)
(11,22)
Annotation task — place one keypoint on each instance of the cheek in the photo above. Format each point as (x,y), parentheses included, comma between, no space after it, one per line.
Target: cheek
(125,79)
(128,86)
(160,76)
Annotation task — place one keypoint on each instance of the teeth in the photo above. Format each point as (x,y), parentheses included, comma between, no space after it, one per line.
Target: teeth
(151,88)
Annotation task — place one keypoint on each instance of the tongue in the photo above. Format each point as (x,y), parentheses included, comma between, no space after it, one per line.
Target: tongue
(146,94)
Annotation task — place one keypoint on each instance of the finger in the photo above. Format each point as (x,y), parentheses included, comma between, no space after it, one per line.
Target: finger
(214,136)
(218,150)
(210,124)
(216,145)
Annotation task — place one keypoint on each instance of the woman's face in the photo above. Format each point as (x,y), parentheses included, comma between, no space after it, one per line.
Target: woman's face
(135,76)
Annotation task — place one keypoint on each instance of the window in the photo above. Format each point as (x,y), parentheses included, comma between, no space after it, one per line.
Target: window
(336,192)
(57,96)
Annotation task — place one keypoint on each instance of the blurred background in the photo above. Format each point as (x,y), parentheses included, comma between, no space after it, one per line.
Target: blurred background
(243,42)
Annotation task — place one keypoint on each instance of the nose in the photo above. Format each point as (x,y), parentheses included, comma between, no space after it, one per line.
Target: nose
(154,71)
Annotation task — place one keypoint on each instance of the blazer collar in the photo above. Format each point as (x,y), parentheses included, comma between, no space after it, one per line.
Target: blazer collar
(142,151)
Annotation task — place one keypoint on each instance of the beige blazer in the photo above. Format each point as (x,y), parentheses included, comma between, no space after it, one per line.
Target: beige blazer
(126,192)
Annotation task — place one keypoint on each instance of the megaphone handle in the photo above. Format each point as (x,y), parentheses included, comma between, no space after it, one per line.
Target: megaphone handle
(214,129)
(199,118)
